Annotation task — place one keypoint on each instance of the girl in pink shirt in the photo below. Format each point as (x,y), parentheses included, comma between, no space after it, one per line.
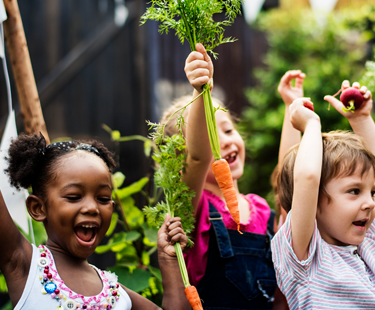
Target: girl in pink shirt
(231,271)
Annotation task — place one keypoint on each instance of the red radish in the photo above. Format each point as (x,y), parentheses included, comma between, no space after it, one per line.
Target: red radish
(352,99)
(309,106)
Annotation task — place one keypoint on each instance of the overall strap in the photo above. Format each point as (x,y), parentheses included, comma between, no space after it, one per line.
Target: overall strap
(271,222)
(270,233)
(222,236)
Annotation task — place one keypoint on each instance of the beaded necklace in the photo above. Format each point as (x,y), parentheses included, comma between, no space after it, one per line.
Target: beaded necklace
(66,298)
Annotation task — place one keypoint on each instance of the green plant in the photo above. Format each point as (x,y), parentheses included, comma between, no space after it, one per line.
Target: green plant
(328,54)
(131,238)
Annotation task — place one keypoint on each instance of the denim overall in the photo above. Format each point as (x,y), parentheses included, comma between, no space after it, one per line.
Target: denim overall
(239,273)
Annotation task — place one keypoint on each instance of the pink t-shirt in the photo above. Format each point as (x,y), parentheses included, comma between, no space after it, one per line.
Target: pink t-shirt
(196,257)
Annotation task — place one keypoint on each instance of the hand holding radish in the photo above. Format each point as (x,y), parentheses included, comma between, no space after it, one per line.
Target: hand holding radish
(301,113)
(287,91)
(170,233)
(199,68)
(361,111)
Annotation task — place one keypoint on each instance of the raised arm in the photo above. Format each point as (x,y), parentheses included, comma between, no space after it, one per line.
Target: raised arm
(16,252)
(307,171)
(199,71)
(289,135)
(361,120)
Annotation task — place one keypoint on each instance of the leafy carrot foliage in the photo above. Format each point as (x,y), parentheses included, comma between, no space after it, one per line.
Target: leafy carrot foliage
(192,20)
(170,160)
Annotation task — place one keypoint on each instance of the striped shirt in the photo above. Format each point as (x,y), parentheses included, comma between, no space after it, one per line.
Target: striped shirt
(332,277)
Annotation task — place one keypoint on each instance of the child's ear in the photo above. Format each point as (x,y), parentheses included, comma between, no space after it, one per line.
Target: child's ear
(36,208)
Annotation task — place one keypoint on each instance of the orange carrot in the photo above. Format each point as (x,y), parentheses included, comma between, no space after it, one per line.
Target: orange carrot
(224,179)
(193,298)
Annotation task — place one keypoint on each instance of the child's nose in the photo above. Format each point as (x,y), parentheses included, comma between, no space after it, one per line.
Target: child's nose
(225,141)
(370,203)
(90,207)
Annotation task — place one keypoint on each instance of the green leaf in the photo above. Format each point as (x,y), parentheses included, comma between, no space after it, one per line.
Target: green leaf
(136,281)
(132,236)
(115,135)
(145,258)
(3,284)
(118,179)
(147,147)
(156,272)
(134,216)
(132,189)
(151,235)
(113,224)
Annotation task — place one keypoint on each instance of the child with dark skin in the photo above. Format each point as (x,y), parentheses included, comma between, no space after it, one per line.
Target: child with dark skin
(72,196)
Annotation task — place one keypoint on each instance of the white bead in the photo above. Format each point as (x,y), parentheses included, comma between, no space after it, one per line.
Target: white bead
(43,262)
(70,304)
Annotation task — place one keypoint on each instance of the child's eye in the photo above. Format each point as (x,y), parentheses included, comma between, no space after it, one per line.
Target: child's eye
(104,199)
(228,131)
(373,195)
(354,191)
(72,198)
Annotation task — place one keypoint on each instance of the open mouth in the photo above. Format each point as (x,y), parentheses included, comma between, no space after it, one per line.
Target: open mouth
(360,223)
(230,158)
(86,232)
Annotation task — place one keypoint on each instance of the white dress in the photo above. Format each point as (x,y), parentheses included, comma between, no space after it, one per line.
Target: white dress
(45,289)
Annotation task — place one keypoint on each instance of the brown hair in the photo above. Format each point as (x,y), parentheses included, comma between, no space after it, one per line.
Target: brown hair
(343,152)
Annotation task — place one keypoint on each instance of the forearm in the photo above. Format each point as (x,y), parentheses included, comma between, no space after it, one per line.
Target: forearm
(289,136)
(307,172)
(174,295)
(365,128)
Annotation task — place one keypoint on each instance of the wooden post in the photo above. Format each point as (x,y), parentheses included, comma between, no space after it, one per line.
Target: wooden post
(15,40)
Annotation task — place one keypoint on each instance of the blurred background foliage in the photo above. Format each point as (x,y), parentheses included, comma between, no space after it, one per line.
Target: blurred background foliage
(328,51)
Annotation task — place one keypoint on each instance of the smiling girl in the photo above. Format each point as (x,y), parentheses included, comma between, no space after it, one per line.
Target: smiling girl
(230,271)
(72,196)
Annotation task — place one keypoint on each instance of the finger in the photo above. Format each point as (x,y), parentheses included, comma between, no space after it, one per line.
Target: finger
(200,48)
(289,76)
(345,84)
(194,56)
(176,231)
(299,80)
(166,222)
(367,95)
(174,224)
(363,89)
(178,238)
(337,104)
(356,85)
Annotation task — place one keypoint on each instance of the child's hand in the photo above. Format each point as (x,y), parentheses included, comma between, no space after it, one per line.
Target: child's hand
(301,113)
(169,233)
(199,68)
(286,90)
(363,112)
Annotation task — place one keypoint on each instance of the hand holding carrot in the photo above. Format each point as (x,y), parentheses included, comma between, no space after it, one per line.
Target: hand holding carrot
(301,113)
(287,91)
(199,68)
(169,233)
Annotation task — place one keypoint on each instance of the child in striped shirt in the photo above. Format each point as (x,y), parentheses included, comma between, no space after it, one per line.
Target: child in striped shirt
(324,254)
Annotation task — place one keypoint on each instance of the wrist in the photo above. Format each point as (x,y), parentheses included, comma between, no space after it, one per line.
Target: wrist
(162,256)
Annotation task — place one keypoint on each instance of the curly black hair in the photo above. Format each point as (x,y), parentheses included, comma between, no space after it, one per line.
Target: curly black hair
(31,165)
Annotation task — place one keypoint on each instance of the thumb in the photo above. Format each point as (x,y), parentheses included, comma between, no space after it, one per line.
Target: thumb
(200,48)
(166,220)
(334,102)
